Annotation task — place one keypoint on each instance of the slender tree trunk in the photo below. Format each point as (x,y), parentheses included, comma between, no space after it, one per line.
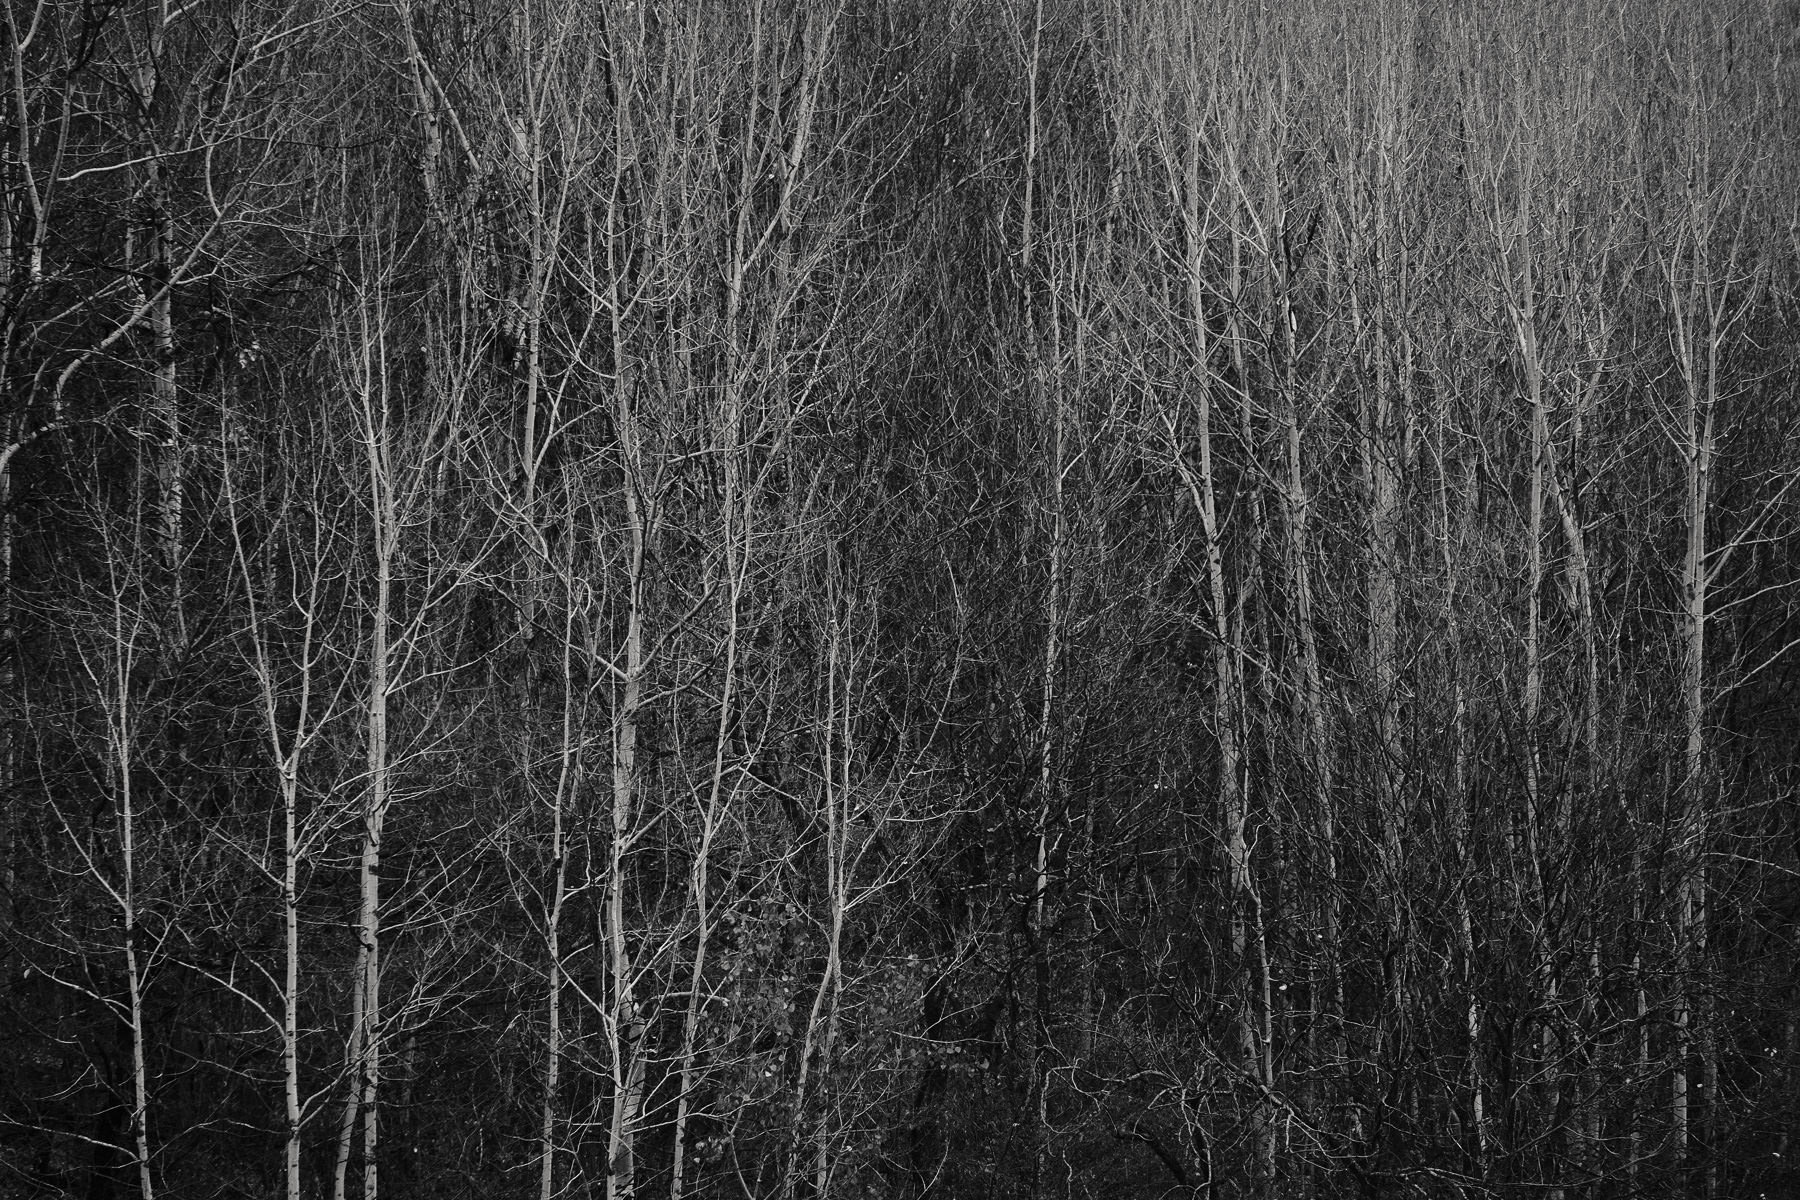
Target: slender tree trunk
(285,755)
(1583,1129)
(353,1050)
(9,674)
(1450,527)
(160,270)
(1640,1024)
(567,786)
(1224,651)
(1522,310)
(374,818)
(735,544)
(1315,719)
(1240,143)
(625,1021)
(369,382)
(1382,471)
(700,890)
(1047,391)
(1377,239)
(124,735)
(290,975)
(819,1040)
(171,480)
(1698,367)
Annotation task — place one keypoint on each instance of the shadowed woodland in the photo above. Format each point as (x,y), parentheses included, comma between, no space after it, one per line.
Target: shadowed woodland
(800,600)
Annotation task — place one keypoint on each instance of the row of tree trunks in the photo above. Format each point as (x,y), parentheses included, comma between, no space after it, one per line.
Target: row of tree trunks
(835,599)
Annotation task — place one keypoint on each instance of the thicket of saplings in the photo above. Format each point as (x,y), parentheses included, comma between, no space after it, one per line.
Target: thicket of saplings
(989,599)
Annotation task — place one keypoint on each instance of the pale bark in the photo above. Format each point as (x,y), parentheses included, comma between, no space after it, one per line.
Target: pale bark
(1251,148)
(385,531)
(819,1041)
(1196,207)
(287,745)
(1315,719)
(1376,232)
(159,267)
(366,379)
(700,877)
(111,668)
(353,1048)
(1047,393)
(568,783)
(1518,254)
(1454,498)
(124,736)
(625,1020)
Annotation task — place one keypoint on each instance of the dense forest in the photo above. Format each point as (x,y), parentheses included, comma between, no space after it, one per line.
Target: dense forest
(897,598)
